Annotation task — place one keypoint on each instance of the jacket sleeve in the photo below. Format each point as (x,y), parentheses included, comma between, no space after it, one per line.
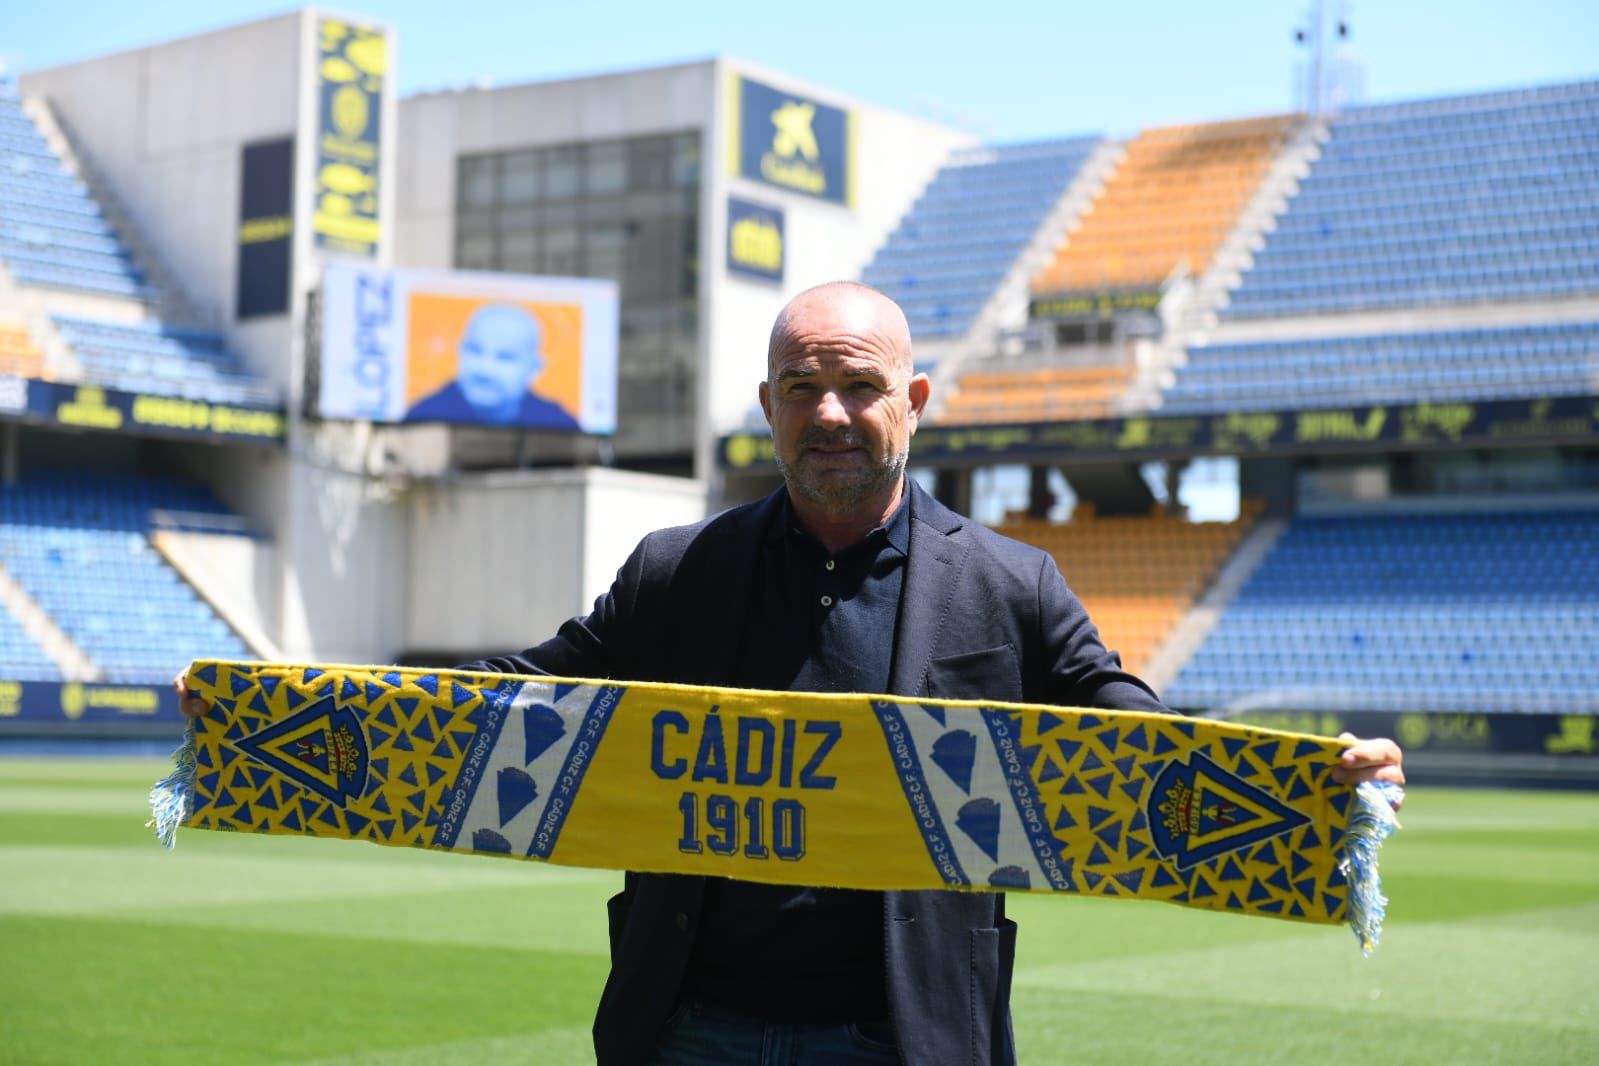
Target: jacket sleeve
(1082,672)
(593,646)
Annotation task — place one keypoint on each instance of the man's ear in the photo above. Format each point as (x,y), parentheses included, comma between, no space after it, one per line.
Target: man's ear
(920,391)
(766,401)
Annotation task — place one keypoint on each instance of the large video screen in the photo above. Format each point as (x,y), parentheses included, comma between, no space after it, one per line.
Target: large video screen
(467,347)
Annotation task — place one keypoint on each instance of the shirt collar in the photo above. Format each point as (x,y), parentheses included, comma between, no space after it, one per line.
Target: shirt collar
(897,529)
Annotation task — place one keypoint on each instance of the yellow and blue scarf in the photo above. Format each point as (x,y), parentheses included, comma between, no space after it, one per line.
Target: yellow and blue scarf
(872,792)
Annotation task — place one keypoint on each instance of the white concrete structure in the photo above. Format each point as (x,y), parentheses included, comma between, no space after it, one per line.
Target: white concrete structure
(895,157)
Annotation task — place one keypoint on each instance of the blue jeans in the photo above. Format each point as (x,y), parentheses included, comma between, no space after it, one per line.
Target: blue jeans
(701,1035)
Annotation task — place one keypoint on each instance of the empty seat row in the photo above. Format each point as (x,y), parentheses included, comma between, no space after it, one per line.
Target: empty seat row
(1469,199)
(1137,575)
(21,657)
(79,545)
(1171,201)
(1472,611)
(1470,364)
(951,250)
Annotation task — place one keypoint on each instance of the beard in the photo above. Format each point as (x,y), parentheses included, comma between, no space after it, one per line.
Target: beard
(837,490)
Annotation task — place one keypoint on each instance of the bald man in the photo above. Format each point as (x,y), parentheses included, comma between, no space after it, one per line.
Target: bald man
(500,356)
(847,579)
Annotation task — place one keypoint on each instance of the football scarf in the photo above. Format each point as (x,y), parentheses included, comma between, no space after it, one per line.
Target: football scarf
(870,792)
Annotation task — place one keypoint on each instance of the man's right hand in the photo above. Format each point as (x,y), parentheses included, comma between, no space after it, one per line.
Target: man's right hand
(191,706)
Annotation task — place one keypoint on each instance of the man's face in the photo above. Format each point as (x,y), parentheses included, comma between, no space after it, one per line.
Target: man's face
(499,356)
(841,400)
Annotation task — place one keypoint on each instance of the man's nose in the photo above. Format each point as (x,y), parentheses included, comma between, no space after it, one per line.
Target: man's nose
(830,411)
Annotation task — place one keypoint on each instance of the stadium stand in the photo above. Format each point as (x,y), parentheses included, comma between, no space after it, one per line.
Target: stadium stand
(78,543)
(1463,364)
(19,355)
(1046,394)
(153,357)
(1137,574)
(1169,204)
(949,253)
(1472,612)
(53,234)
(21,657)
(51,230)
(1469,198)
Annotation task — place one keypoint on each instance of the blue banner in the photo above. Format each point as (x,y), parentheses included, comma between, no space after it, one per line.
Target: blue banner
(754,240)
(791,142)
(137,413)
(73,701)
(1379,427)
(266,228)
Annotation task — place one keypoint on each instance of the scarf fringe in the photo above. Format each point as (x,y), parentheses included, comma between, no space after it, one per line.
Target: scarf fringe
(172,798)
(1371,821)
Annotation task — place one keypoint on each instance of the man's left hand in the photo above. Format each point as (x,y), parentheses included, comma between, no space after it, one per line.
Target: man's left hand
(1378,759)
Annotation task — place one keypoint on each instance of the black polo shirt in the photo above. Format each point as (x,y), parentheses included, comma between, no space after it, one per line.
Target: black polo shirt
(816,623)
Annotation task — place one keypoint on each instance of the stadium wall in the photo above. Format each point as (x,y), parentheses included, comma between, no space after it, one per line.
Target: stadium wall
(362,569)
(499,561)
(345,551)
(435,129)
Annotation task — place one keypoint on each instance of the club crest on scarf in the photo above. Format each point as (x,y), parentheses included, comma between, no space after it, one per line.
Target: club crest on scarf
(321,747)
(1198,811)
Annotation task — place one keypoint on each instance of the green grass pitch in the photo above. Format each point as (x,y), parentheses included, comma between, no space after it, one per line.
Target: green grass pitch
(299,951)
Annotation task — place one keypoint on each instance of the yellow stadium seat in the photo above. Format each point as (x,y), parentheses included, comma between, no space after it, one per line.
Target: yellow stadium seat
(19,356)
(1137,575)
(1171,202)
(1042,395)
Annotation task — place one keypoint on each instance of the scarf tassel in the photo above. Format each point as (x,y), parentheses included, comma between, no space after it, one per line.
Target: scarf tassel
(1371,821)
(172,798)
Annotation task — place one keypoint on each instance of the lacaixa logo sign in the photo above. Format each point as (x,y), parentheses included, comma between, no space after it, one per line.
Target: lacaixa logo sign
(754,240)
(791,141)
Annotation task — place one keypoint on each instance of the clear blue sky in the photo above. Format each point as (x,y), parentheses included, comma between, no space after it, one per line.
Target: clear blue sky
(1007,70)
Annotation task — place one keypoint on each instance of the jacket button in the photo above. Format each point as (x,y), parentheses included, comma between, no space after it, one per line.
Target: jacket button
(681,922)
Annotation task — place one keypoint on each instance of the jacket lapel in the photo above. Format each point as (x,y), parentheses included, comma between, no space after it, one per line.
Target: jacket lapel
(715,581)
(932,572)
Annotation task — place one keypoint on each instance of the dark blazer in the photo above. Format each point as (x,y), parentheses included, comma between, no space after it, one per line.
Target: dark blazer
(981,617)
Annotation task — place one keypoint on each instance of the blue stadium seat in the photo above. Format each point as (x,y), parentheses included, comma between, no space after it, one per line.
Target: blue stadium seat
(153,357)
(79,544)
(1447,365)
(951,250)
(44,213)
(1464,199)
(1467,612)
(21,657)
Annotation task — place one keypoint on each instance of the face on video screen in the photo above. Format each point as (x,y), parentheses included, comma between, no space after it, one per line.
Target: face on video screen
(499,356)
